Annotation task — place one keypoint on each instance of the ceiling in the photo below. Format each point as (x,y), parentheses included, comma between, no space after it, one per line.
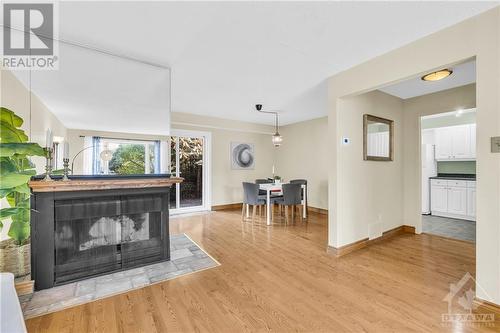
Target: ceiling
(462,75)
(227,56)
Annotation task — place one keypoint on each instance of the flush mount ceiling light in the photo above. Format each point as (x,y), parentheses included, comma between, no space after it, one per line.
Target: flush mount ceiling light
(277,139)
(438,75)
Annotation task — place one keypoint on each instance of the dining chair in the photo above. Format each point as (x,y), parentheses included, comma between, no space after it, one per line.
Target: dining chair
(291,197)
(263,181)
(252,198)
(301,182)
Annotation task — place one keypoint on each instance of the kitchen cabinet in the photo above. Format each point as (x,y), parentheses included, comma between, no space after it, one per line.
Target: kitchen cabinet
(471,199)
(439,198)
(456,142)
(443,143)
(457,200)
(453,198)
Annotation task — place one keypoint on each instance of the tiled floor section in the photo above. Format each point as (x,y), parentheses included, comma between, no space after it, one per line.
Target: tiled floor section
(452,228)
(186,257)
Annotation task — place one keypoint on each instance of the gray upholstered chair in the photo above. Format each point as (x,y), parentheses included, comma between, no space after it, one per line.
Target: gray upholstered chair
(301,182)
(263,181)
(291,197)
(252,198)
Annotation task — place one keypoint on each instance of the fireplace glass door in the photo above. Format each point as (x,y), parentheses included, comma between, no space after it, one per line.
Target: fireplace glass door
(93,237)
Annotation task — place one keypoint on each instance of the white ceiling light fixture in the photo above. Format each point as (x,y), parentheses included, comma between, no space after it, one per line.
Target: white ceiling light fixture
(276,138)
(438,75)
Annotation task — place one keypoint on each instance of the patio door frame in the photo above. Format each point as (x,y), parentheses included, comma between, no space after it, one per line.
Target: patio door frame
(207,166)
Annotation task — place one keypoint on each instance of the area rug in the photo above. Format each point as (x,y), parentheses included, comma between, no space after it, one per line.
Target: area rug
(186,257)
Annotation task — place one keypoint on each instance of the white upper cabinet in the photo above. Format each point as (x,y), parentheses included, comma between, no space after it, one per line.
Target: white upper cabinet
(460,141)
(456,142)
(443,143)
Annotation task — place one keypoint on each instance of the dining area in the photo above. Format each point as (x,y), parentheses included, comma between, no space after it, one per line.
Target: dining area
(266,194)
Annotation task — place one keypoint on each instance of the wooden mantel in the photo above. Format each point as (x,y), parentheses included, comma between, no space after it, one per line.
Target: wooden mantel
(101,184)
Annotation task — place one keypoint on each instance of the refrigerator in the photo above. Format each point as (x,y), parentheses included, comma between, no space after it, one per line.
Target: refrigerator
(429,169)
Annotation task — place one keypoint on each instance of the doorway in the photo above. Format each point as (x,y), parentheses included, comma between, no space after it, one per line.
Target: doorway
(189,158)
(449,174)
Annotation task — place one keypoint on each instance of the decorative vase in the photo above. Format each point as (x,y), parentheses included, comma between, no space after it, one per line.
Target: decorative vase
(15,259)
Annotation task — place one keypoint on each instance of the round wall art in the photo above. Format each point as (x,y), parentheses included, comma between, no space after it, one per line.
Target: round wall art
(242,155)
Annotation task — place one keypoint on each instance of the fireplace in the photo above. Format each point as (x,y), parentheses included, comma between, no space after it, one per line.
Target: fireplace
(80,234)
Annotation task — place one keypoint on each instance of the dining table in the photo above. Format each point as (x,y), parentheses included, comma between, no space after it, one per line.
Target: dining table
(275,189)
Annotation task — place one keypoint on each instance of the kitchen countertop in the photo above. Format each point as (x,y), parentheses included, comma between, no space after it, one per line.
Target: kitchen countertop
(452,176)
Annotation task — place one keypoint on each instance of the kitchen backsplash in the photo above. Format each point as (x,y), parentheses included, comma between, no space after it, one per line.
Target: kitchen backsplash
(463,167)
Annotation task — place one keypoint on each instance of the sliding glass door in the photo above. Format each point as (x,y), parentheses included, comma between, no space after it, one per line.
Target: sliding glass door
(189,159)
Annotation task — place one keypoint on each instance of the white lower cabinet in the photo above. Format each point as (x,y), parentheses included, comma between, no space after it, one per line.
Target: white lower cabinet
(453,198)
(457,200)
(439,198)
(471,202)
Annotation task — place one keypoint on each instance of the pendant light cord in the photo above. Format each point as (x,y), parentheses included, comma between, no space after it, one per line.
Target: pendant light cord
(276,115)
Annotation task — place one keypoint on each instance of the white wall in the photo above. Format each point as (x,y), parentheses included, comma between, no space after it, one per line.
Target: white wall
(303,155)
(477,37)
(16,97)
(372,202)
(37,119)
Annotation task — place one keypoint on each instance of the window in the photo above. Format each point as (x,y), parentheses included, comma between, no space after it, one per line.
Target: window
(124,156)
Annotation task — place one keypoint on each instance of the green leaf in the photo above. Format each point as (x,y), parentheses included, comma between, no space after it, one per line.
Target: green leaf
(10,117)
(11,180)
(10,134)
(19,231)
(11,149)
(10,212)
(12,199)
(7,166)
(58,172)
(23,189)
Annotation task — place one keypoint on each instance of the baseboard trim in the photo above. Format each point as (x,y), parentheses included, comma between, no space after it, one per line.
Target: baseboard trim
(25,287)
(486,305)
(321,211)
(238,206)
(346,249)
(227,206)
(349,248)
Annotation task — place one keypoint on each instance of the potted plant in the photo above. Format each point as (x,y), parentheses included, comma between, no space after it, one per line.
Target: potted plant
(277,179)
(15,171)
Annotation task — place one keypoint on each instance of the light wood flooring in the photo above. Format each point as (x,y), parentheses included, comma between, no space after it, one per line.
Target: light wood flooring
(281,279)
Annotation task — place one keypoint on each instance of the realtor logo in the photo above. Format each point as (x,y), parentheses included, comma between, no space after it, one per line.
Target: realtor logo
(29,35)
(461,306)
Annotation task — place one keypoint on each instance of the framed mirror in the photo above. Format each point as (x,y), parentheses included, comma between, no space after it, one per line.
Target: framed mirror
(378,138)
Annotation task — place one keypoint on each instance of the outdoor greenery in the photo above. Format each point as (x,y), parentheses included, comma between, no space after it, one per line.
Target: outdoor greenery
(191,166)
(15,171)
(129,160)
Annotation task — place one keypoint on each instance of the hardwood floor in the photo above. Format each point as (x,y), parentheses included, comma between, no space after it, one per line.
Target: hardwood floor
(281,279)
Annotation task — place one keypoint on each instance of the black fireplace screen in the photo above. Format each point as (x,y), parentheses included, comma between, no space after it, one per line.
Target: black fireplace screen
(97,236)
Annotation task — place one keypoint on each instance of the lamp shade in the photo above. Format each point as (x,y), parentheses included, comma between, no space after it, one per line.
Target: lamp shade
(277,139)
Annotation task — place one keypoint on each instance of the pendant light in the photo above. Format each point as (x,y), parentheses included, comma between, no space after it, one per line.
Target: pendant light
(277,139)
